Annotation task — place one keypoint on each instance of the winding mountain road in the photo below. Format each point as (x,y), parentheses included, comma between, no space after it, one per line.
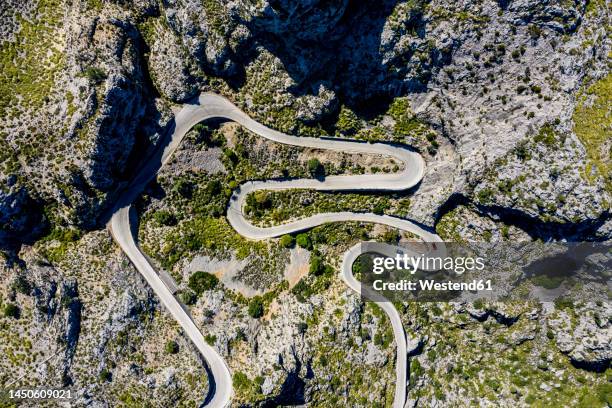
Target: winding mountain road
(210,106)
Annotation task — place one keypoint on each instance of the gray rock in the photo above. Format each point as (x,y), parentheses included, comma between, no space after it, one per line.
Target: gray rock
(588,343)
(374,356)
(169,69)
(205,30)
(415,343)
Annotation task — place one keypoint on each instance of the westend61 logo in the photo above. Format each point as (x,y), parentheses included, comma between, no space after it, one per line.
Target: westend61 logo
(458,272)
(411,263)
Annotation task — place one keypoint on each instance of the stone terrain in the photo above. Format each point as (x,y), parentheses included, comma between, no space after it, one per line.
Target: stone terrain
(474,73)
(508,101)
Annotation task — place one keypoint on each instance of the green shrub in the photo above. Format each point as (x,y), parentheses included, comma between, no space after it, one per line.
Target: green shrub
(231,156)
(201,281)
(564,303)
(287,241)
(240,334)
(416,370)
(65,235)
(405,121)
(22,285)
(261,199)
(536,89)
(604,393)
(547,281)
(315,168)
(378,210)
(302,291)
(164,217)
(592,123)
(11,310)
(95,75)
(184,188)
(479,304)
(493,383)
(303,240)
(171,347)
(105,375)
(241,381)
(188,297)
(256,308)
(316,265)
(257,202)
(485,195)
(534,31)
(203,134)
(522,151)
(210,339)
(348,123)
(214,187)
(391,236)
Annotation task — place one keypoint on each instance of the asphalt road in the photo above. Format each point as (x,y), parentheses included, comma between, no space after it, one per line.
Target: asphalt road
(209,106)
(120,229)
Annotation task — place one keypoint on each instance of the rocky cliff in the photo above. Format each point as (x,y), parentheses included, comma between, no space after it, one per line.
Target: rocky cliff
(505,86)
(508,101)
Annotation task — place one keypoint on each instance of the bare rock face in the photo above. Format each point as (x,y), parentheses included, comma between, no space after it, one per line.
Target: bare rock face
(207,33)
(498,83)
(311,108)
(506,100)
(360,49)
(90,116)
(9,15)
(168,68)
(487,76)
(490,78)
(588,343)
(560,16)
(107,53)
(93,328)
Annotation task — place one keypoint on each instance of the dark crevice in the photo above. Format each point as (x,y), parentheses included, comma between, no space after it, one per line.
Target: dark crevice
(347,56)
(593,366)
(536,228)
(72,303)
(142,143)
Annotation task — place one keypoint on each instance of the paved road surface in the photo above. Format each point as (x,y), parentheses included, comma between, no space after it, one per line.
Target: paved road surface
(120,229)
(210,106)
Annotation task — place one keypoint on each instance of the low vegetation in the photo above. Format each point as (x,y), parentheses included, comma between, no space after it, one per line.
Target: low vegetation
(201,281)
(171,347)
(12,310)
(256,307)
(593,126)
(29,64)
(287,241)
(283,206)
(319,278)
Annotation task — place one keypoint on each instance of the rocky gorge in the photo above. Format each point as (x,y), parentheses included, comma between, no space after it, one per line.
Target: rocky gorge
(508,101)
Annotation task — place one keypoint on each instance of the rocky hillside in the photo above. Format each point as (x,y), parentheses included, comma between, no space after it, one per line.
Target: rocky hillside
(507,100)
(509,91)
(76,106)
